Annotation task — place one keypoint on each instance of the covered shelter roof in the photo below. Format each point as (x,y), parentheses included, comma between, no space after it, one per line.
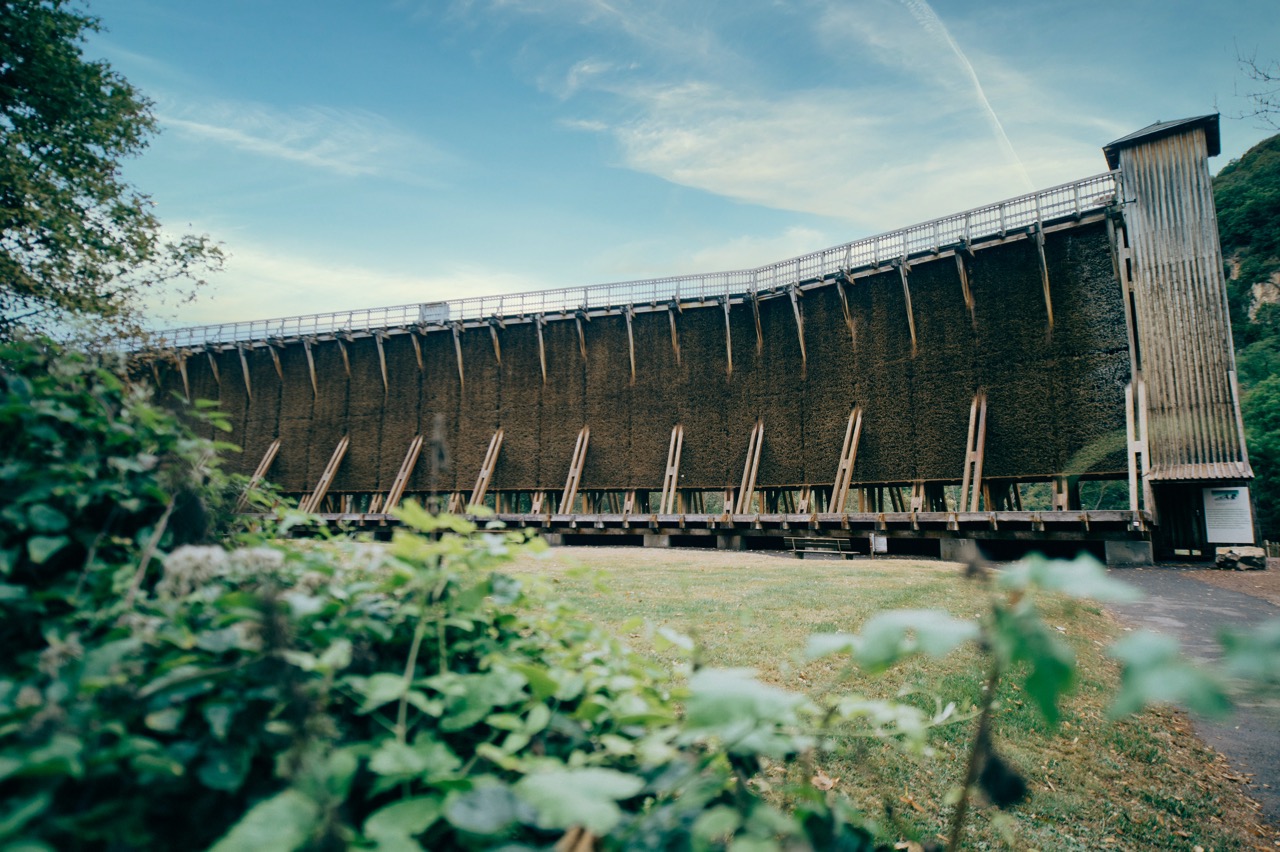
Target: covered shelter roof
(1166,128)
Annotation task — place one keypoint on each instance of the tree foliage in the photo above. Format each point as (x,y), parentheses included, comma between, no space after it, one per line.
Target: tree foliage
(75,238)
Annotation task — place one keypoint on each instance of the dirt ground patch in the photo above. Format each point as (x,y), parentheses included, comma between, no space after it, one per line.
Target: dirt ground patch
(1260,584)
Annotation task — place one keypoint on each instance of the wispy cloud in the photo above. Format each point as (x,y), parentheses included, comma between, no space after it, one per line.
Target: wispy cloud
(350,143)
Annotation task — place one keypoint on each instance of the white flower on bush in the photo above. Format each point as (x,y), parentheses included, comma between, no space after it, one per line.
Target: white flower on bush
(189,568)
(256,561)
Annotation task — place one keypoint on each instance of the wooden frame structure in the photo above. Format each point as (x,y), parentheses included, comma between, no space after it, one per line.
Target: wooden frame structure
(312,502)
(574,478)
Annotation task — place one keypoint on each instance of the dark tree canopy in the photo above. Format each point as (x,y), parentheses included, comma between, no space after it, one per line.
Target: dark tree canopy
(75,238)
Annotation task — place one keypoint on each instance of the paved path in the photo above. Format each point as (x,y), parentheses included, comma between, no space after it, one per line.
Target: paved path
(1179,604)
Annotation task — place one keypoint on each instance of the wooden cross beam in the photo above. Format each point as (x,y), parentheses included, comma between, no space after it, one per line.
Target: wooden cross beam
(975,449)
(848,456)
(671,479)
(575,471)
(259,472)
(750,469)
(485,477)
(312,502)
(402,476)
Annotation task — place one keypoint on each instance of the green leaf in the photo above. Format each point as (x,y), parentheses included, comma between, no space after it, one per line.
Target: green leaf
(165,721)
(427,758)
(889,637)
(573,797)
(40,548)
(1019,636)
(1082,577)
(12,593)
(1154,672)
(21,812)
(377,689)
(44,518)
(480,694)
(224,769)
(394,826)
(282,823)
(485,810)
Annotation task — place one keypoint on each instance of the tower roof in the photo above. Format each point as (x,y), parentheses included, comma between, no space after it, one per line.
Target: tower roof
(1166,128)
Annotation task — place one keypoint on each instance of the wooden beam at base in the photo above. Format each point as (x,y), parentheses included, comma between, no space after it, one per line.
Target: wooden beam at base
(406,470)
(258,474)
(750,469)
(575,471)
(312,502)
(671,479)
(975,450)
(848,456)
(485,477)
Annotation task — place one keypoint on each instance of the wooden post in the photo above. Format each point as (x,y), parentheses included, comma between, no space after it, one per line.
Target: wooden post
(1044,273)
(382,361)
(755,311)
(963,270)
(906,294)
(848,456)
(402,476)
(494,324)
(312,502)
(244,369)
(485,478)
(311,366)
(794,292)
(346,358)
(671,479)
(261,471)
(582,337)
(536,502)
(575,471)
(457,348)
(848,315)
(750,469)
(975,448)
(275,359)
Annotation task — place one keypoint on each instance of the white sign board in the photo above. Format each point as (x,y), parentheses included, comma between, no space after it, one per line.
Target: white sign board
(1228,516)
(879,543)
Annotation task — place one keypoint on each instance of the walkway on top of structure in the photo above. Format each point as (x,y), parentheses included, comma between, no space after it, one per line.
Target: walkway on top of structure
(960,230)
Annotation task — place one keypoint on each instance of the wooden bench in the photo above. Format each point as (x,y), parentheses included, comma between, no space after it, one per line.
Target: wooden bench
(800,545)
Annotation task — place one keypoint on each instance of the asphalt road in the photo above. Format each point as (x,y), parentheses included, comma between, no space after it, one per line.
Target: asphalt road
(1179,604)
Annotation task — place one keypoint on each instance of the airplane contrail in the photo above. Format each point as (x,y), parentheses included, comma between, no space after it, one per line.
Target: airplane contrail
(929,20)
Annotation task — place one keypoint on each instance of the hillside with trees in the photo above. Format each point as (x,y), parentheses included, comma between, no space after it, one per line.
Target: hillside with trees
(1247,193)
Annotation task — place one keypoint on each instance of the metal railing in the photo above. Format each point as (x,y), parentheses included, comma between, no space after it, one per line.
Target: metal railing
(1071,199)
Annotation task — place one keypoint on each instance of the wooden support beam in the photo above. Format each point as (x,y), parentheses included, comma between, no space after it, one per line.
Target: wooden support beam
(848,315)
(312,502)
(848,456)
(457,348)
(1137,447)
(456,505)
(311,365)
(213,366)
(906,295)
(628,502)
(244,369)
(186,383)
(805,500)
(402,476)
(675,337)
(917,496)
(975,450)
(728,337)
(671,479)
(1044,273)
(417,352)
(538,322)
(1066,493)
(755,312)
(485,477)
(382,361)
(275,359)
(629,313)
(582,336)
(962,269)
(259,472)
(155,371)
(575,471)
(750,469)
(493,333)
(346,356)
(794,292)
(536,502)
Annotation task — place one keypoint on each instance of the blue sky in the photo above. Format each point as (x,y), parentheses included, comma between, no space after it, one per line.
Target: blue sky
(358,154)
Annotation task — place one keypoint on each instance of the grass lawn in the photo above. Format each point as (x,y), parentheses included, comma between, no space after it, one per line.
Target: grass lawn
(1140,783)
